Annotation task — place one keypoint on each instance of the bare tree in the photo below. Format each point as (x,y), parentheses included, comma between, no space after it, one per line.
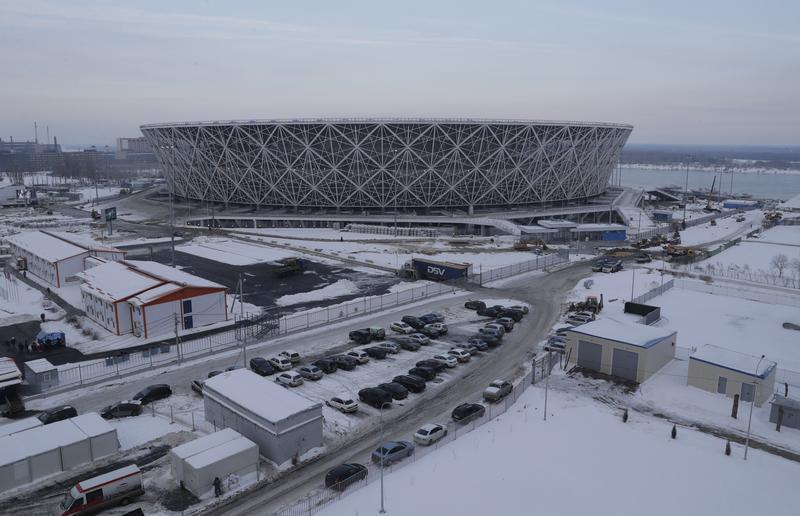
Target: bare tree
(779,262)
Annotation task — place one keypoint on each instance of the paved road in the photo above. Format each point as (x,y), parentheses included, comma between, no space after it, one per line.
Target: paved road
(543,293)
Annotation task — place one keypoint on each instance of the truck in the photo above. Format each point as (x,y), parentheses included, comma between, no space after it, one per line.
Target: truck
(289,266)
(93,495)
(423,268)
(51,339)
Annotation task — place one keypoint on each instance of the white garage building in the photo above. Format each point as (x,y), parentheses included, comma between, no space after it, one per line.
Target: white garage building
(725,371)
(283,424)
(620,348)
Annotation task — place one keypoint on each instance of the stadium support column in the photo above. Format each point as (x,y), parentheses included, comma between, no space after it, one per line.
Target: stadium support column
(471,209)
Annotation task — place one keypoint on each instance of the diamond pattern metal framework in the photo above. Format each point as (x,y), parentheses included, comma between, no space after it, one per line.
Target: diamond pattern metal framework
(404,164)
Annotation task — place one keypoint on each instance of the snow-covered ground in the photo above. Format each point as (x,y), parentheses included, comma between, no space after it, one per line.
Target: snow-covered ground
(20,303)
(580,461)
(726,228)
(342,287)
(89,193)
(233,252)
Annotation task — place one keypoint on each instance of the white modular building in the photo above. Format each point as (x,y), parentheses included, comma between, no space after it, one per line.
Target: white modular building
(282,423)
(238,458)
(620,348)
(725,371)
(179,454)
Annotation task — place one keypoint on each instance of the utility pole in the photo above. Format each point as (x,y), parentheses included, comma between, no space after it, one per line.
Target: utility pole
(241,318)
(750,418)
(546,384)
(633,271)
(177,340)
(172,226)
(383,509)
(686,192)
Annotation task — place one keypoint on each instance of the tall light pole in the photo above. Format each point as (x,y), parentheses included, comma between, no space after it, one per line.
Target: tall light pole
(383,510)
(750,418)
(686,191)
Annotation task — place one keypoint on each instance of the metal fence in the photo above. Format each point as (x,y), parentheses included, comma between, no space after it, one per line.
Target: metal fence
(650,294)
(742,292)
(790,278)
(321,497)
(541,262)
(669,229)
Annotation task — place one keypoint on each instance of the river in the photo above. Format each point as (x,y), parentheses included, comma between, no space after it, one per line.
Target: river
(760,186)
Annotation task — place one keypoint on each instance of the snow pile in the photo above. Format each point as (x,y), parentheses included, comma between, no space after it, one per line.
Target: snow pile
(343,287)
(133,431)
(582,446)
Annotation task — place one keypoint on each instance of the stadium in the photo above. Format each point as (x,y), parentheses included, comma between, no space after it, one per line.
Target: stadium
(388,164)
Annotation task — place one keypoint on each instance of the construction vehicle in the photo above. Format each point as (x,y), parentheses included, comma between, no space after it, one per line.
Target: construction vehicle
(289,266)
(709,207)
(95,214)
(519,245)
(713,222)
(592,304)
(539,244)
(676,251)
(773,216)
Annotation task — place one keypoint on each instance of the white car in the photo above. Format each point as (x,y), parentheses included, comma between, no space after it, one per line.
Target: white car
(390,347)
(429,434)
(522,308)
(401,327)
(498,327)
(290,378)
(448,359)
(293,356)
(440,327)
(344,404)
(420,339)
(461,355)
(359,355)
(280,363)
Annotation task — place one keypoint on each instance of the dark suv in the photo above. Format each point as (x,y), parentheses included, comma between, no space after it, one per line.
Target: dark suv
(375,397)
(413,383)
(466,412)
(517,315)
(343,475)
(153,393)
(412,321)
(474,305)
(426,373)
(397,391)
(57,414)
(261,366)
(432,363)
(489,312)
(344,362)
(121,409)
(327,365)
(360,336)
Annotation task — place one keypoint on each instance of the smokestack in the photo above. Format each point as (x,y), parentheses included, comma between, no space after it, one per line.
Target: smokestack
(48,134)
(35,133)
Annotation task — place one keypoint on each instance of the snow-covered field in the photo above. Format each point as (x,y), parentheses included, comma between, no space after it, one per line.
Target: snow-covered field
(726,228)
(20,303)
(580,461)
(89,193)
(233,252)
(342,287)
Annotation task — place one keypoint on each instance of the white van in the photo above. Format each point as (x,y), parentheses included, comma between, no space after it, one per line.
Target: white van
(118,487)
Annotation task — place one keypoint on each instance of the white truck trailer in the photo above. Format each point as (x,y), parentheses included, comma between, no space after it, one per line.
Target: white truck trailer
(91,496)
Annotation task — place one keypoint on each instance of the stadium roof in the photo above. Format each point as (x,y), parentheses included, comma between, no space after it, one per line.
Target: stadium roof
(509,121)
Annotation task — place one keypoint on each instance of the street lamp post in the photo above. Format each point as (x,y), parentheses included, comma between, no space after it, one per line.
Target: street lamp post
(750,418)
(383,509)
(686,192)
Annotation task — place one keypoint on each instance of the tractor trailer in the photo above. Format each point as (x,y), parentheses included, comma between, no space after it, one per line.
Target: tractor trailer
(423,268)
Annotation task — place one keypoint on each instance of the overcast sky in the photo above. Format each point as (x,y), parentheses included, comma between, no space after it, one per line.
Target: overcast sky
(722,72)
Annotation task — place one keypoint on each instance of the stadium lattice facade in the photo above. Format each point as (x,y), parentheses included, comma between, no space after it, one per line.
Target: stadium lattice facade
(388,164)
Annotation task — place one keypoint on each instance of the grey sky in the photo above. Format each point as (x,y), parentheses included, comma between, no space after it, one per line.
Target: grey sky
(680,71)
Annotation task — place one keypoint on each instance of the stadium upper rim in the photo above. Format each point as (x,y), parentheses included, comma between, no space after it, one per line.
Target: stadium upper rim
(438,121)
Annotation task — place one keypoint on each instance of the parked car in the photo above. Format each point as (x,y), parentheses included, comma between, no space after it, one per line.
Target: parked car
(56,414)
(121,409)
(612,266)
(429,434)
(425,373)
(212,374)
(437,365)
(327,365)
(578,319)
(474,305)
(555,345)
(345,362)
(362,336)
(345,474)
(361,356)
(376,333)
(440,327)
(197,386)
(392,451)
(401,327)
(408,343)
(153,393)
(497,390)
(344,404)
(517,315)
(261,366)
(643,258)
(413,383)
(433,317)
(495,326)
(290,379)
(389,347)
(506,322)
(310,372)
(597,265)
(460,354)
(521,308)
(376,352)
(293,356)
(466,412)
(489,333)
(280,363)
(448,360)
(483,343)
(397,390)
(469,347)
(429,331)
(375,397)
(412,321)
(420,338)
(490,312)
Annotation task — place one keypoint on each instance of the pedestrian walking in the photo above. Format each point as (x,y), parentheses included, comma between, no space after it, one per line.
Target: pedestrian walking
(217,487)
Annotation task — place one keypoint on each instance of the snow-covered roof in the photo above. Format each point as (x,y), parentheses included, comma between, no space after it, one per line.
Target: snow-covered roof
(45,246)
(90,483)
(83,241)
(262,397)
(38,440)
(537,230)
(19,426)
(599,227)
(9,370)
(792,204)
(783,401)
(223,451)
(172,274)
(557,224)
(155,293)
(204,443)
(115,281)
(740,202)
(92,424)
(627,332)
(734,360)
(40,365)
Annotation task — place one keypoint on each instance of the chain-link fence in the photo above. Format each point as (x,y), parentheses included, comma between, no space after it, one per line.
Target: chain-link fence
(788,278)
(657,291)
(740,291)
(321,497)
(539,263)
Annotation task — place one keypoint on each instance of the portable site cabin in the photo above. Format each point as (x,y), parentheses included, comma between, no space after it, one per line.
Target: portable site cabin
(725,371)
(790,408)
(283,424)
(179,454)
(20,425)
(624,348)
(102,436)
(237,457)
(10,380)
(40,375)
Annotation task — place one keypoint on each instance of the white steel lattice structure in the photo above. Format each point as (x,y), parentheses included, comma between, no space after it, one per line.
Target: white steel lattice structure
(388,163)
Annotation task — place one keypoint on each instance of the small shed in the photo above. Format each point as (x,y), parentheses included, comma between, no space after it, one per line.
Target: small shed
(102,436)
(40,375)
(620,348)
(179,454)
(740,204)
(662,215)
(791,411)
(283,424)
(237,457)
(725,371)
(600,232)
